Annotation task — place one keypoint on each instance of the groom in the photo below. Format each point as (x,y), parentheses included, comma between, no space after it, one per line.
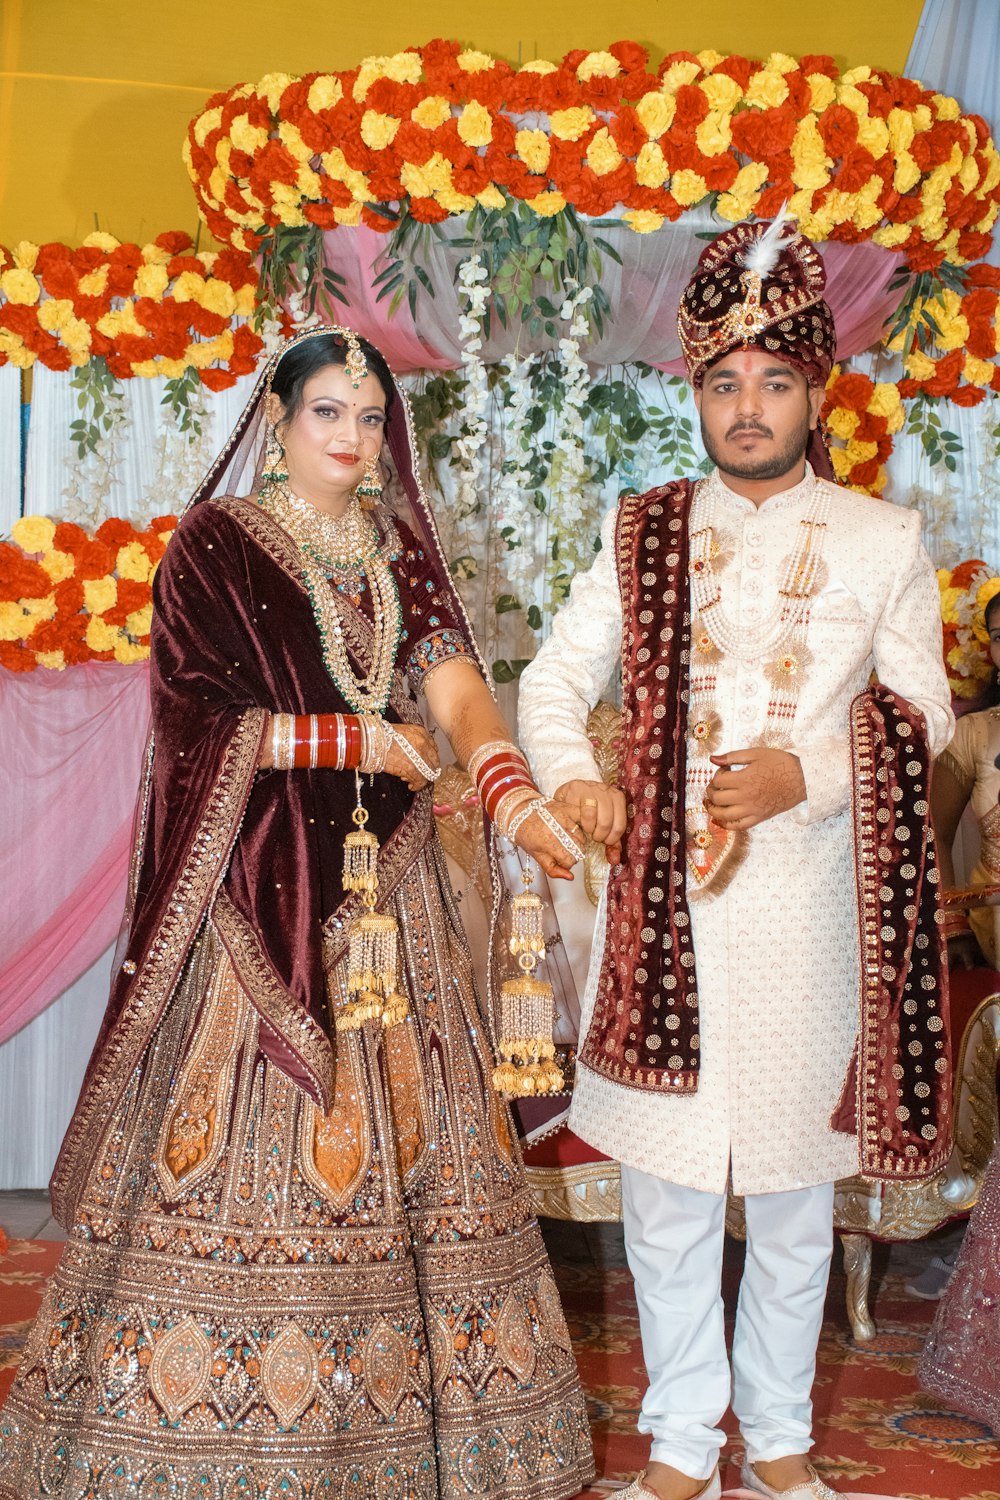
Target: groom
(765,998)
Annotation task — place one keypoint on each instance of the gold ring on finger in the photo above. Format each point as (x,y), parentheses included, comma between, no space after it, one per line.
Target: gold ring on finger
(589,802)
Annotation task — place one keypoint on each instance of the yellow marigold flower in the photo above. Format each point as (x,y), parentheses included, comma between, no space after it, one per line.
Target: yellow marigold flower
(98,240)
(291,137)
(922,117)
(859,452)
(425,181)
(821,92)
(918,366)
(947,108)
(205,124)
(766,90)
(76,335)
(539,65)
(34,533)
(100,635)
(54,313)
(651,169)
(598,65)
(139,621)
(892,236)
(55,660)
(127,651)
(59,565)
(885,399)
(25,254)
(534,149)
(843,423)
(218,297)
(100,594)
(873,134)
(901,131)
(35,612)
(287,199)
(170,369)
(151,281)
(491,197)
(349,215)
(709,58)
(431,112)
(19,286)
(271,87)
(811,163)
(247,137)
(454,201)
(861,74)
(643,220)
(987,591)
(123,320)
(714,135)
(968,174)
(978,371)
(688,187)
(155,255)
(475,124)
(11,620)
(570,124)
(842,464)
(992,177)
(246,301)
(723,93)
(324,92)
(603,155)
(206,351)
(133,562)
(217,181)
(188,287)
(335,164)
(656,113)
(742,195)
(545,205)
(907,173)
(678,74)
(471,61)
(377,130)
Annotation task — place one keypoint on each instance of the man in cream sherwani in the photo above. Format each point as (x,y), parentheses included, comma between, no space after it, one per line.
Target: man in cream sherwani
(799,591)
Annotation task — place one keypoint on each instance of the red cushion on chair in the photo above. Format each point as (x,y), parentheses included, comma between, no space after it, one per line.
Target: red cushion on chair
(968,988)
(561,1149)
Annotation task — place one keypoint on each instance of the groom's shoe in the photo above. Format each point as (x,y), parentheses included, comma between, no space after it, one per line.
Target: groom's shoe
(812,1488)
(640,1490)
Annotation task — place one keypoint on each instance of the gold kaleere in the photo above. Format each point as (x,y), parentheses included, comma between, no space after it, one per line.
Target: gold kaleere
(373,992)
(527,1007)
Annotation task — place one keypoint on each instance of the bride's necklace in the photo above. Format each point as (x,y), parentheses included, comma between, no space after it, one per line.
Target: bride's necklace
(799,581)
(338,545)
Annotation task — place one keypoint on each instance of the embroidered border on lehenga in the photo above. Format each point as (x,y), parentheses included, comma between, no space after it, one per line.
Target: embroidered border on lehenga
(160,968)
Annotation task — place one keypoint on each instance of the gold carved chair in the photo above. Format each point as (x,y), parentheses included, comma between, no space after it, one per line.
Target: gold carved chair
(572,1181)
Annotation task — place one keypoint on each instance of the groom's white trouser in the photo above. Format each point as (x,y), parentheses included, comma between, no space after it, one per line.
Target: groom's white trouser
(674,1240)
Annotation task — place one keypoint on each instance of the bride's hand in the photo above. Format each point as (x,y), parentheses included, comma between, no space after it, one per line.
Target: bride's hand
(541,843)
(398,763)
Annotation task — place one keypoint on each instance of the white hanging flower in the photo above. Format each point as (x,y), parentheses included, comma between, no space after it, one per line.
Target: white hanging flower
(575,503)
(474,296)
(515,510)
(92,478)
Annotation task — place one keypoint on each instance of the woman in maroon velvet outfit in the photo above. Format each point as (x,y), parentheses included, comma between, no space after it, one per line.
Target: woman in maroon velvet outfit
(302,1258)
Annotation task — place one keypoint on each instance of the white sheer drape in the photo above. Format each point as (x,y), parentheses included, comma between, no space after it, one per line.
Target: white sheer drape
(10,447)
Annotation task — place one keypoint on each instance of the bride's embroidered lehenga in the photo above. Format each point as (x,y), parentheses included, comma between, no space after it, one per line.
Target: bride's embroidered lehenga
(297,1267)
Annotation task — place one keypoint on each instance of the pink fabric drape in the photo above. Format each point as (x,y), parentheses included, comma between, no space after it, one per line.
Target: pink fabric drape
(70,753)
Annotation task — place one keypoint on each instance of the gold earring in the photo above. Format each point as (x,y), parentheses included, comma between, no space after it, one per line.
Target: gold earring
(275,469)
(369,488)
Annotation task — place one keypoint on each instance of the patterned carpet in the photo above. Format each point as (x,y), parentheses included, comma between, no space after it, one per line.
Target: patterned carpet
(877,1434)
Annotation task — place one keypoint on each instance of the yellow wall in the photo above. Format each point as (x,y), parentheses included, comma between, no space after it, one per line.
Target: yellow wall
(95,95)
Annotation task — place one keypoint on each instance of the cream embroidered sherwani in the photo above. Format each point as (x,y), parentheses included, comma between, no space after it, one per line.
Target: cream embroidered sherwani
(777,949)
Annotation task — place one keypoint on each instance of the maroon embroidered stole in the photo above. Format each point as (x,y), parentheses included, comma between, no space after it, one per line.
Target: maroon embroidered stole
(645,1028)
(903,1065)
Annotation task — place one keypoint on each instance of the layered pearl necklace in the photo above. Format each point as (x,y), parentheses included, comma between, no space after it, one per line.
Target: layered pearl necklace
(799,579)
(343,544)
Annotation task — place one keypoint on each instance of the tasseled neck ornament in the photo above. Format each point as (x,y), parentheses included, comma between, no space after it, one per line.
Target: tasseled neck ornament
(758,286)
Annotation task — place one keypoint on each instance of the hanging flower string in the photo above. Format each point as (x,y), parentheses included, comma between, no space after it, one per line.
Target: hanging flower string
(474,296)
(516,512)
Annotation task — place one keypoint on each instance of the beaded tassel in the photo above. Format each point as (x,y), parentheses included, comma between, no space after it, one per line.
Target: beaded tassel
(527,1007)
(372,940)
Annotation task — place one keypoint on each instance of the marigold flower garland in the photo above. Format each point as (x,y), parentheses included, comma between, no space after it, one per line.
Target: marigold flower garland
(861,154)
(157,309)
(68,596)
(965,593)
